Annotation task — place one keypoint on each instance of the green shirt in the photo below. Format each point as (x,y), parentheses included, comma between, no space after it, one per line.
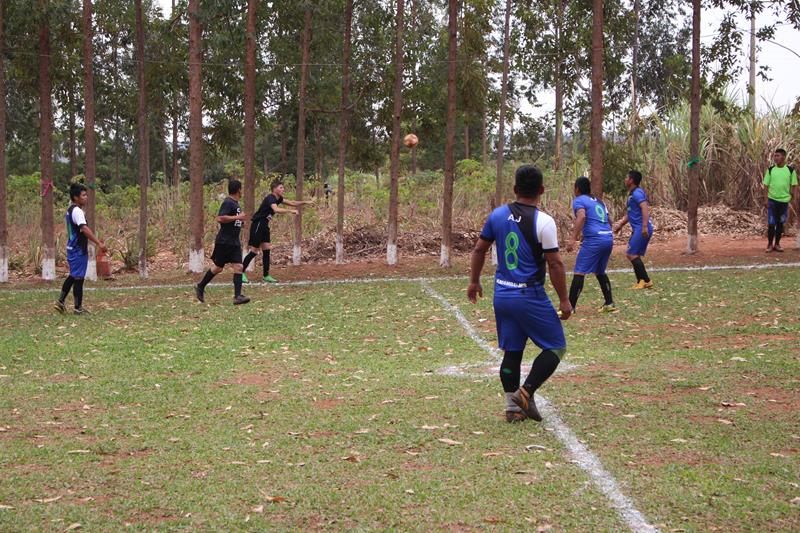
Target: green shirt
(779,182)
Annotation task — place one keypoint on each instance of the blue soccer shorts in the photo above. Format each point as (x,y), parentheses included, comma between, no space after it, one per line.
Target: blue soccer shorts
(637,245)
(777,211)
(593,257)
(78,261)
(526,314)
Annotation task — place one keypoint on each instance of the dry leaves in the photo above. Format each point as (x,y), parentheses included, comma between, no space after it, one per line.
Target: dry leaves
(450,442)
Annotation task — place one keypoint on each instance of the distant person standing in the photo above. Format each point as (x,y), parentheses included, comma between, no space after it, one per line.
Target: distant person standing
(593,229)
(78,236)
(638,215)
(227,247)
(780,181)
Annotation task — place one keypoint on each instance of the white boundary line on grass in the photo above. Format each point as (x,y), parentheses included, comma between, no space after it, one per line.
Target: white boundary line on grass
(305,283)
(583,456)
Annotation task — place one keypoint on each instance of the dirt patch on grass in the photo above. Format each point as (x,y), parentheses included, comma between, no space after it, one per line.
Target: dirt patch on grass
(672,456)
(327,404)
(250,379)
(152,517)
(774,400)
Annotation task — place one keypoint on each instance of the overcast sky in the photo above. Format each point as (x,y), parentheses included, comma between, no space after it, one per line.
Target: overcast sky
(782,91)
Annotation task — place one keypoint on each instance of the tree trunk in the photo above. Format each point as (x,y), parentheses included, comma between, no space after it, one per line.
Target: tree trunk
(89,140)
(297,250)
(466,138)
(414,148)
(596,140)
(344,120)
(196,254)
(73,149)
(561,6)
(634,126)
(694,134)
(450,136)
(501,134)
(164,144)
(394,178)
(318,157)
(751,88)
(250,110)
(46,144)
(176,171)
(3,201)
(143,140)
(484,137)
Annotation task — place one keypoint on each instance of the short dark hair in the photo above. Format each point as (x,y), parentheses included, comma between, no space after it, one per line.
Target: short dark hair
(636,176)
(781,151)
(583,185)
(274,184)
(234,186)
(75,190)
(528,180)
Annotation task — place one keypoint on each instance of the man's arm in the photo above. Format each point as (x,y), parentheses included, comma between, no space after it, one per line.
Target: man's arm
(580,221)
(475,267)
(645,218)
(277,209)
(558,277)
(227,219)
(295,203)
(620,223)
(91,236)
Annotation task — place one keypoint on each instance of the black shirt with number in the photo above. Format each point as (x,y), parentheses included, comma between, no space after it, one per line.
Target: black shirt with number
(265,210)
(229,231)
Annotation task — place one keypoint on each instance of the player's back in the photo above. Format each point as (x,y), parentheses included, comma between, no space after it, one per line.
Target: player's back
(597,225)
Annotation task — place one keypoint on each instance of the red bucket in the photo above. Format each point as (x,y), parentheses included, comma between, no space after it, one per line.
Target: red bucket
(103,265)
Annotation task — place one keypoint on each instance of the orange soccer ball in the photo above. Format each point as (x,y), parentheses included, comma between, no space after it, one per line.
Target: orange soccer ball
(410,140)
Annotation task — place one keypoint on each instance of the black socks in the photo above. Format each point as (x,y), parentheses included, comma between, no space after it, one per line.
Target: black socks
(639,270)
(770,235)
(605,286)
(237,285)
(77,292)
(778,232)
(543,367)
(510,371)
(265,261)
(206,279)
(249,257)
(575,289)
(65,288)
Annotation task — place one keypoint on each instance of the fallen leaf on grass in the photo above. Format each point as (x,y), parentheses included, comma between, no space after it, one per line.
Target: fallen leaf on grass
(351,459)
(724,421)
(450,442)
(492,454)
(680,441)
(739,359)
(78,451)
(73,527)
(48,500)
(530,447)
(543,528)
(5,507)
(361,432)
(608,404)
(733,404)
(629,416)
(276,499)
(524,472)
(258,509)
(409,491)
(430,427)
(795,501)
(776,454)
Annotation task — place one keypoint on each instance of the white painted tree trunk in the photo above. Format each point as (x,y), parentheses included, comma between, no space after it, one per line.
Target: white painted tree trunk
(391,254)
(444,258)
(197,261)
(91,269)
(48,264)
(339,250)
(691,244)
(494,254)
(297,254)
(3,264)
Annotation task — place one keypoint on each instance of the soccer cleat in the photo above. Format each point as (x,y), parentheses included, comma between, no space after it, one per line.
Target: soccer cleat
(81,311)
(608,308)
(60,307)
(639,285)
(200,294)
(526,403)
(241,299)
(244,278)
(647,285)
(768,250)
(269,279)
(515,416)
(777,248)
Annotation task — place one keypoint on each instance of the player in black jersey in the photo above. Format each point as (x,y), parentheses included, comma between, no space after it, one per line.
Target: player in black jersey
(227,247)
(259,228)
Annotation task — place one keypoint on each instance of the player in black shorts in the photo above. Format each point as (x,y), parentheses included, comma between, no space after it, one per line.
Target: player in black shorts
(227,247)
(259,228)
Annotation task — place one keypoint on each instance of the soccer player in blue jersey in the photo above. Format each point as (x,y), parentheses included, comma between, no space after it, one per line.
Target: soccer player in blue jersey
(638,216)
(527,244)
(591,223)
(78,236)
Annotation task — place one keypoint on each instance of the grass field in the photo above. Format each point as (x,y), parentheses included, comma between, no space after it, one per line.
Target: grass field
(320,407)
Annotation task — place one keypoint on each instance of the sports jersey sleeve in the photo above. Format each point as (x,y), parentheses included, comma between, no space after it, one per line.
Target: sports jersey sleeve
(577,203)
(226,209)
(767,177)
(548,235)
(793,180)
(487,233)
(639,196)
(272,201)
(78,217)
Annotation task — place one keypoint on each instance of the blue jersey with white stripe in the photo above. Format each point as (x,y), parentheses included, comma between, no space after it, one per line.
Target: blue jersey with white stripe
(597,226)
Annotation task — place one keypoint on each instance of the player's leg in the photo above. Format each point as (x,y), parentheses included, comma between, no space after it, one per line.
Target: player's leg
(238,298)
(511,338)
(217,264)
(771,225)
(781,211)
(266,249)
(585,262)
(62,298)
(575,288)
(254,245)
(602,278)
(78,271)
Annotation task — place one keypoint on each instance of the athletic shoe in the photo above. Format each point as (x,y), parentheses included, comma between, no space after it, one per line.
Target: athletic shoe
(768,250)
(241,299)
(81,311)
(244,278)
(526,403)
(515,416)
(639,285)
(199,292)
(608,308)
(60,307)
(777,248)
(647,285)
(269,279)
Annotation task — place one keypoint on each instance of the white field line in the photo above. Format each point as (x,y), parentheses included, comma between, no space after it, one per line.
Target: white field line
(306,283)
(581,454)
